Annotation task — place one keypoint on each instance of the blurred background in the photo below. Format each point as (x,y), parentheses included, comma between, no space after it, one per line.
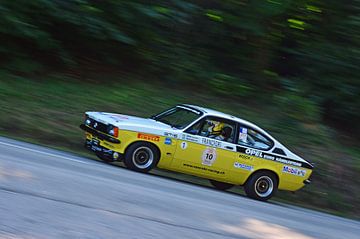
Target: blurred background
(290,66)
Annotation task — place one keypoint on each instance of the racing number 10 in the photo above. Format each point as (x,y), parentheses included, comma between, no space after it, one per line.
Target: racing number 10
(209,156)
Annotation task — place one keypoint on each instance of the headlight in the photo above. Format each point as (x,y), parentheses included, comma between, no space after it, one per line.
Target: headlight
(87,120)
(114,131)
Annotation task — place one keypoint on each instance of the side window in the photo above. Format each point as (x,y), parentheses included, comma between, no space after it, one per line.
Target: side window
(216,128)
(252,138)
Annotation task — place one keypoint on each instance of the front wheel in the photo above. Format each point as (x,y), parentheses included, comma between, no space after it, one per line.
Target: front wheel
(141,157)
(261,186)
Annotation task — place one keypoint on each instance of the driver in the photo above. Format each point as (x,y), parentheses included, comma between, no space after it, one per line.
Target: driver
(225,134)
(215,128)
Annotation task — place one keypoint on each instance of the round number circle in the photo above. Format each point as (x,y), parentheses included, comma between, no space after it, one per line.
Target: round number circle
(183,145)
(209,156)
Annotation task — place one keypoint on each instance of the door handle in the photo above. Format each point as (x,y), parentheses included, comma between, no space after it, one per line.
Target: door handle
(229,147)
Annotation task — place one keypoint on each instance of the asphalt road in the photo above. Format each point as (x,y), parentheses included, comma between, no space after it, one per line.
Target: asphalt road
(50,194)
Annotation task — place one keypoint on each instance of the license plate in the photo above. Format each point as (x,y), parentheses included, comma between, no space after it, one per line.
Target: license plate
(96,148)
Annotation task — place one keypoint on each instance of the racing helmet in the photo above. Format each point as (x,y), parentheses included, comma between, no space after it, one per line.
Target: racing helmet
(215,127)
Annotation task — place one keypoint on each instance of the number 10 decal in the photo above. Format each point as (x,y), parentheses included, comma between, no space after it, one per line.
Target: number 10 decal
(209,156)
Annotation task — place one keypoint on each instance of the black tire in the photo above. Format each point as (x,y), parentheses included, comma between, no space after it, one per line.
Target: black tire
(141,157)
(220,185)
(261,185)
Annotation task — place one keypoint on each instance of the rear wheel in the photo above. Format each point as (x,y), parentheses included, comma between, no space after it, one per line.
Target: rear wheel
(141,157)
(261,185)
(220,185)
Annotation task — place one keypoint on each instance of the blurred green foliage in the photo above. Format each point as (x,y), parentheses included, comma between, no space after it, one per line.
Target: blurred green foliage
(237,48)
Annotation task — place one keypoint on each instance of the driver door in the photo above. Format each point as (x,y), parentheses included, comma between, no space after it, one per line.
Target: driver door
(205,149)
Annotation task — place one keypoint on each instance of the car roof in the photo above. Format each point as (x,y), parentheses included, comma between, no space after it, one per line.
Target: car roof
(216,113)
(211,112)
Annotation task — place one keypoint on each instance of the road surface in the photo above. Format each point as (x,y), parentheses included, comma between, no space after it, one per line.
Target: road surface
(46,193)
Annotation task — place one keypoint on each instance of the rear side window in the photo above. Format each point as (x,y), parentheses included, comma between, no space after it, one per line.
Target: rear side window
(254,139)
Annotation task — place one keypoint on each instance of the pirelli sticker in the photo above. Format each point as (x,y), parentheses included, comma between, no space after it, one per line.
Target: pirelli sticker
(272,157)
(148,137)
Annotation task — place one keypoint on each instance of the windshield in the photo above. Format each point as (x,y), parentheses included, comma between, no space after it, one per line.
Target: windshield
(178,117)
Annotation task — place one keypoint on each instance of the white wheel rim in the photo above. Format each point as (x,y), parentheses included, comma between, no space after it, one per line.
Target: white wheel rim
(264,186)
(143,157)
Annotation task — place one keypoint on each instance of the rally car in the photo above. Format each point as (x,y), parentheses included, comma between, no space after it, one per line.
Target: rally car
(194,140)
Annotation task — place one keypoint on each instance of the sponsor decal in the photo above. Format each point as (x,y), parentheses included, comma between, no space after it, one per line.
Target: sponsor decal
(171,135)
(211,142)
(243,166)
(245,156)
(204,168)
(254,152)
(294,171)
(168,141)
(286,161)
(243,134)
(148,137)
(190,138)
(209,156)
(206,141)
(183,145)
(263,155)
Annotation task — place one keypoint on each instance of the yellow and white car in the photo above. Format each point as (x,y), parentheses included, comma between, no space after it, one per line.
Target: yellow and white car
(190,139)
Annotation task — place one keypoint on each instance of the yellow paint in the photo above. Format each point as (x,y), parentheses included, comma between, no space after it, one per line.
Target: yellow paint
(227,167)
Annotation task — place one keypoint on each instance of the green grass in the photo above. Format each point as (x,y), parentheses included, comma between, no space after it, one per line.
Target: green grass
(49,112)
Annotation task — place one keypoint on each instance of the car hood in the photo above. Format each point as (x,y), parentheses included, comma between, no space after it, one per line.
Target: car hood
(128,122)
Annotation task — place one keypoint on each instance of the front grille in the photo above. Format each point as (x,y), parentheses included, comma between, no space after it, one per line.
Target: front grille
(98,126)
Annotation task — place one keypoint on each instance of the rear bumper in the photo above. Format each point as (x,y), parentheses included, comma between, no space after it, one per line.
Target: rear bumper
(307,181)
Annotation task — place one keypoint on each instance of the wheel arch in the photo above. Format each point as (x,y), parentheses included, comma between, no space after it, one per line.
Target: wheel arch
(264,170)
(146,142)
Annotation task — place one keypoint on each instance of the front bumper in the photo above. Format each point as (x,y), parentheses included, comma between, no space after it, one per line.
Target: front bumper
(109,154)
